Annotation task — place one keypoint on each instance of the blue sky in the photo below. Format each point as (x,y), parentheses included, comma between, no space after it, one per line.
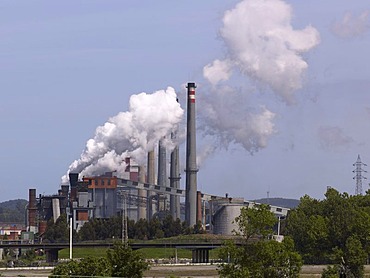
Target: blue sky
(66,67)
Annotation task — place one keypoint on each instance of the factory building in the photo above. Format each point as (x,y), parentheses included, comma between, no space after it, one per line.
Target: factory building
(139,195)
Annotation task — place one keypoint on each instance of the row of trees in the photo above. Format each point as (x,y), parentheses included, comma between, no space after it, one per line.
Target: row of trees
(121,261)
(101,229)
(334,231)
(257,256)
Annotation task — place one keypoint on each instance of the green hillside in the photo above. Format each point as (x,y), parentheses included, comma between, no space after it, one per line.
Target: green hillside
(13,211)
(280,202)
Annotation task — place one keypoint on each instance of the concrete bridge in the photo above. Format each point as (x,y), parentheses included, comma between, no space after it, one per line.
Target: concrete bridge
(200,250)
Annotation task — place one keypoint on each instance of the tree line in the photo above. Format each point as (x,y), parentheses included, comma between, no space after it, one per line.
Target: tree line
(335,231)
(111,228)
(120,261)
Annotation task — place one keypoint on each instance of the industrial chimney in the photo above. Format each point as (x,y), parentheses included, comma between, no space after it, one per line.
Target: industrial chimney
(150,178)
(175,181)
(191,163)
(73,181)
(142,196)
(32,210)
(162,175)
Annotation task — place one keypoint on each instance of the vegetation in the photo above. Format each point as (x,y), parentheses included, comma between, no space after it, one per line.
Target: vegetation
(280,202)
(334,231)
(121,261)
(101,229)
(58,231)
(13,211)
(259,255)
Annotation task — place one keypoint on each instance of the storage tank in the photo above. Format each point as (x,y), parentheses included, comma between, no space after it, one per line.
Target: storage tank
(224,217)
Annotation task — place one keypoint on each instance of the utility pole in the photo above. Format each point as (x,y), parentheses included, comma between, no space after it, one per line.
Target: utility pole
(359,177)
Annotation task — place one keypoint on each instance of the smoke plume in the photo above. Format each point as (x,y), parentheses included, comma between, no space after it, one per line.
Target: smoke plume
(151,117)
(262,44)
(333,138)
(227,118)
(352,26)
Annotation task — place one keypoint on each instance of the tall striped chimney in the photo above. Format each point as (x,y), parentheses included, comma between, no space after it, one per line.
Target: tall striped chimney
(191,163)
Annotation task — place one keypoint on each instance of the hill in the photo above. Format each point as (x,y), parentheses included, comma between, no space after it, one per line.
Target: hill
(13,211)
(280,202)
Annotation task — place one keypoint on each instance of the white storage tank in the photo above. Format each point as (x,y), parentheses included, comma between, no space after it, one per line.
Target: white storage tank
(224,218)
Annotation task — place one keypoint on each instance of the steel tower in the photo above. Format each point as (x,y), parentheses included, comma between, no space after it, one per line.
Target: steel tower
(359,177)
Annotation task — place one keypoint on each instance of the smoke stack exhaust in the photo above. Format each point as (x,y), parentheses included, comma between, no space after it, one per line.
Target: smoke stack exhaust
(191,163)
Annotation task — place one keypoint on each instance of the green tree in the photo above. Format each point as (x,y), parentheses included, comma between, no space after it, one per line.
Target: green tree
(141,229)
(125,262)
(259,256)
(58,231)
(121,261)
(66,269)
(334,231)
(94,267)
(256,221)
(87,232)
(155,229)
(88,267)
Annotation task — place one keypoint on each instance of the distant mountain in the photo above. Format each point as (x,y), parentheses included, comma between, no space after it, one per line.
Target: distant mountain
(280,202)
(13,211)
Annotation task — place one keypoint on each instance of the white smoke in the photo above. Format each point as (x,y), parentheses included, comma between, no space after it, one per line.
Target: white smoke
(262,44)
(333,138)
(228,119)
(352,26)
(151,117)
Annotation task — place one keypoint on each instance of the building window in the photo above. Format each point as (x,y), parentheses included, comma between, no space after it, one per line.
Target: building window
(96,182)
(279,209)
(108,181)
(102,182)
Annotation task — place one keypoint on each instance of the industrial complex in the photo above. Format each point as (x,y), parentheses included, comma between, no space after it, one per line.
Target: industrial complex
(143,192)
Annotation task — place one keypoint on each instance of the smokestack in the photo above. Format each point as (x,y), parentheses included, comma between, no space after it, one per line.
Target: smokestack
(32,210)
(191,163)
(162,175)
(142,196)
(175,181)
(151,180)
(73,181)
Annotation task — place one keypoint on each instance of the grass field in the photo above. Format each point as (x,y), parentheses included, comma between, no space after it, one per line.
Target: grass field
(148,253)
